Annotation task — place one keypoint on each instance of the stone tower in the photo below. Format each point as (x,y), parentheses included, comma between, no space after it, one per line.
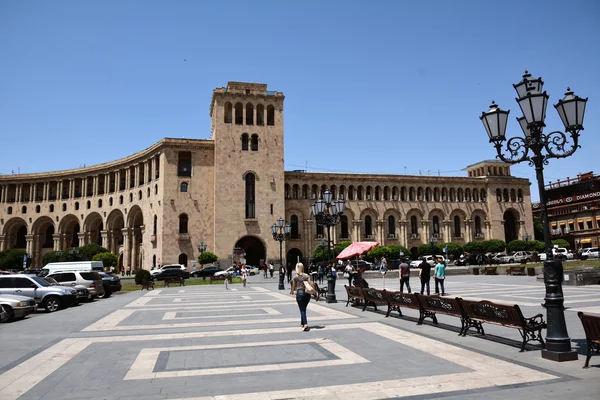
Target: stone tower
(247,131)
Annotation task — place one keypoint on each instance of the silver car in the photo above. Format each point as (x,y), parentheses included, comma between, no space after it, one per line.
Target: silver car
(91,280)
(17,307)
(52,298)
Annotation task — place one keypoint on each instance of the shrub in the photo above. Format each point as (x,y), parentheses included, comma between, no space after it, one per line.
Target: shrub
(561,243)
(12,259)
(108,259)
(319,254)
(50,257)
(337,249)
(141,275)
(536,245)
(494,246)
(453,249)
(426,249)
(518,245)
(207,257)
(475,247)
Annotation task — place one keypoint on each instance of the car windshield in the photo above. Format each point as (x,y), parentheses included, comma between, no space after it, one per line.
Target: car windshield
(51,281)
(510,254)
(40,281)
(89,276)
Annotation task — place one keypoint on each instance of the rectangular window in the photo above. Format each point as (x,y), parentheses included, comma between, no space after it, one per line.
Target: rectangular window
(271,209)
(184,164)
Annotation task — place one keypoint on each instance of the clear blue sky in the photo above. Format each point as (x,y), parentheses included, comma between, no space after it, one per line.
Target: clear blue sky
(371,87)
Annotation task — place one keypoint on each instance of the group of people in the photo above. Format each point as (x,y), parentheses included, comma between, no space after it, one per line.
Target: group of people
(268,270)
(439,275)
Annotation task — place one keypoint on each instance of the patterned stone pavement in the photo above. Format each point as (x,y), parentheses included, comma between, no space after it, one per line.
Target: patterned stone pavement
(205,342)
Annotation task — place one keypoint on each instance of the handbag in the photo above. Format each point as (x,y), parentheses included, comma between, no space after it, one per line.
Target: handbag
(309,288)
(346,275)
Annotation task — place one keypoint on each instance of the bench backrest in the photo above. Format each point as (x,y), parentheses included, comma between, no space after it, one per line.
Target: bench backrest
(408,300)
(591,325)
(354,292)
(442,305)
(492,312)
(374,295)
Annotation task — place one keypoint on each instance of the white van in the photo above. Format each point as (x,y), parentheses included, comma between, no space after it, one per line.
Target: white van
(72,266)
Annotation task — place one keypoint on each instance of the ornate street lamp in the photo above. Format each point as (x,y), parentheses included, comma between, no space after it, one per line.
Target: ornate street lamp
(556,144)
(328,212)
(202,247)
(281,233)
(526,238)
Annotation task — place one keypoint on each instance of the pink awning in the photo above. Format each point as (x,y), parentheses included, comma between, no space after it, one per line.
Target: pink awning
(356,249)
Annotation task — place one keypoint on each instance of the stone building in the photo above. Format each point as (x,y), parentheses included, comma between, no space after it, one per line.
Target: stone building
(155,206)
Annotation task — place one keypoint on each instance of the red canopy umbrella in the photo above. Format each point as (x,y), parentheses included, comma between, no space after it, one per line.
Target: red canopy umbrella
(356,249)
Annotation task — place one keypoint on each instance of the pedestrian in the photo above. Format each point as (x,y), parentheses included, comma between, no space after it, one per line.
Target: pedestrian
(440,274)
(348,272)
(129,270)
(425,275)
(271,269)
(122,270)
(244,275)
(333,275)
(226,279)
(265,271)
(289,273)
(404,276)
(298,285)
(321,273)
(383,264)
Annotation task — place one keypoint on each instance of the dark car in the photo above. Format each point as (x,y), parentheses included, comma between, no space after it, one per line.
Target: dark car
(31,271)
(206,272)
(111,283)
(169,273)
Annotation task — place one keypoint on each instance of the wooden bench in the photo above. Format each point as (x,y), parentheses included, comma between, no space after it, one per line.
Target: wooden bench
(147,284)
(355,295)
(174,279)
(477,312)
(220,278)
(591,326)
(398,300)
(373,297)
(490,270)
(432,305)
(321,291)
(515,271)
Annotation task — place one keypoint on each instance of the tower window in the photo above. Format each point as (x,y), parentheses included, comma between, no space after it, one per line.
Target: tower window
(244,142)
(249,114)
(250,198)
(270,115)
(254,143)
(228,113)
(184,187)
(239,115)
(184,164)
(183,223)
(260,115)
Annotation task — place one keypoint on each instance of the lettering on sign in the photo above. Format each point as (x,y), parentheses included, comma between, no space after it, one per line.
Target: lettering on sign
(567,200)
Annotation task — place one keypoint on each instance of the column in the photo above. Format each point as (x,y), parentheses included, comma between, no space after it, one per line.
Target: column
(380,232)
(152,168)
(127,177)
(2,238)
(56,239)
(134,249)
(31,198)
(118,182)
(356,230)
(29,245)
(18,197)
(468,231)
(425,229)
(104,236)
(403,240)
(83,238)
(126,248)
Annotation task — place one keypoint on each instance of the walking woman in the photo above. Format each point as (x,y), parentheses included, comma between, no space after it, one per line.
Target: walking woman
(302,297)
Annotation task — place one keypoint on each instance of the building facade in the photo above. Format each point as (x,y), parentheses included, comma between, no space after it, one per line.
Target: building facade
(574,210)
(155,206)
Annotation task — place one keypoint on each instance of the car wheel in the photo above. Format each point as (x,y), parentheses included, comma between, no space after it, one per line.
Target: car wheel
(511,261)
(51,304)
(528,259)
(106,294)
(10,312)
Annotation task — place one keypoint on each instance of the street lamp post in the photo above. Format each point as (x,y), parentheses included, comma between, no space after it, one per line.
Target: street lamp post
(432,242)
(571,109)
(202,246)
(327,213)
(281,233)
(526,238)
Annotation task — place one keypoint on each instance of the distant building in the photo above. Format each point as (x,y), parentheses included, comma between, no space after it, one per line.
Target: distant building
(573,210)
(155,206)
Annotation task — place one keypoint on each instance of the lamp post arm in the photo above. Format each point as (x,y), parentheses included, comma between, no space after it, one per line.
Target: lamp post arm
(516,150)
(558,145)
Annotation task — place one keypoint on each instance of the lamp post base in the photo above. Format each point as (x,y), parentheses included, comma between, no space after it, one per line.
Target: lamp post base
(330,298)
(281,277)
(559,356)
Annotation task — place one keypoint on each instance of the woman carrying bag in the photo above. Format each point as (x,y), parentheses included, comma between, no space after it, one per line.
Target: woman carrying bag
(348,272)
(303,286)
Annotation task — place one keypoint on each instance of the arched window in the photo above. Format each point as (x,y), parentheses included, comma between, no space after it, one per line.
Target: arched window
(411,194)
(477,225)
(313,192)
(342,194)
(148,192)
(24,209)
(270,115)
(403,194)
(513,195)
(386,193)
(239,117)
(475,195)
(64,206)
(395,193)
(183,259)
(154,260)
(154,226)
(183,223)
(444,194)
(369,193)
(457,232)
(155,189)
(100,203)
(88,204)
(452,195)
(76,207)
(505,195)
(391,227)
(351,192)
(244,142)
(183,187)
(428,194)
(468,194)
(250,199)
(519,195)
(287,191)
(254,142)
(260,115)
(420,196)
(139,194)
(460,196)
(482,196)
(295,192)
(184,163)
(377,193)
(436,225)
(249,114)
(368,227)
(304,192)
(414,228)
(51,208)
(9,210)
(294,224)
(38,209)
(333,190)
(130,197)
(436,194)
(228,113)
(344,225)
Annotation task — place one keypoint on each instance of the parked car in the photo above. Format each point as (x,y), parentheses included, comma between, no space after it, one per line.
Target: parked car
(252,270)
(171,272)
(515,257)
(558,252)
(591,252)
(88,279)
(228,271)
(31,271)
(5,273)
(206,271)
(52,298)
(431,260)
(157,271)
(82,293)
(361,264)
(17,306)
(111,283)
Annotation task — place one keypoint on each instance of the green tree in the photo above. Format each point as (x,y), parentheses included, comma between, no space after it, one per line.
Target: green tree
(453,249)
(475,247)
(394,252)
(88,251)
(50,257)
(494,246)
(426,249)
(536,245)
(538,229)
(207,257)
(108,259)
(70,255)
(141,275)
(337,249)
(518,245)
(319,254)
(561,243)
(12,259)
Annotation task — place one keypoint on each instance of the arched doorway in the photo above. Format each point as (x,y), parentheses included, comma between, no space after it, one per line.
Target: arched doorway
(293,256)
(511,230)
(254,248)
(414,253)
(183,259)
